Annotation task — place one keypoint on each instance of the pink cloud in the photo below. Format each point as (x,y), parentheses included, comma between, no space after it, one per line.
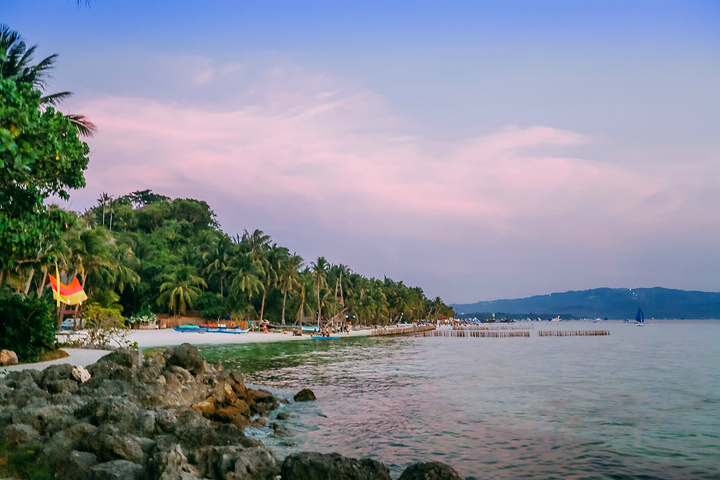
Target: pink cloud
(335,152)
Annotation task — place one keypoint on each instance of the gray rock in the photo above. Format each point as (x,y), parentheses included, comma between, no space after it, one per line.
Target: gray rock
(40,417)
(187,357)
(52,373)
(76,466)
(62,443)
(18,433)
(171,464)
(304,395)
(430,471)
(279,431)
(117,470)
(108,443)
(333,466)
(122,357)
(282,416)
(238,463)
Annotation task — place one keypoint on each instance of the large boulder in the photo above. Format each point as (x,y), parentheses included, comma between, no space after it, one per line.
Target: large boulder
(304,395)
(58,379)
(430,471)
(332,466)
(187,357)
(8,357)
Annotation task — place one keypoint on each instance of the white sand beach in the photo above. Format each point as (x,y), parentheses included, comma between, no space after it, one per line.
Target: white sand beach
(163,338)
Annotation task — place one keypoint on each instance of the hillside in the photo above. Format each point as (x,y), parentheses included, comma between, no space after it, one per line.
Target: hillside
(612,303)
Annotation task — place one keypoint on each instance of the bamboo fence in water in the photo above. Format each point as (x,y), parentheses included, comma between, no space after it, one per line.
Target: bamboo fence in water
(572,333)
(477,333)
(386,331)
(516,332)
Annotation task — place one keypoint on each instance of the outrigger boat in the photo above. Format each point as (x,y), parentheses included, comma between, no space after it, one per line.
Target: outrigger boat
(209,329)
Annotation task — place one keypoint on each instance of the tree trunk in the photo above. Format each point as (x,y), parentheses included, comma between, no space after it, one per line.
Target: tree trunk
(262,304)
(29,280)
(41,287)
(300,314)
(60,315)
(283,310)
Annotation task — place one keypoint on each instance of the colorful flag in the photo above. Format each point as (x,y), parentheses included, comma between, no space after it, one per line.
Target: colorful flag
(70,294)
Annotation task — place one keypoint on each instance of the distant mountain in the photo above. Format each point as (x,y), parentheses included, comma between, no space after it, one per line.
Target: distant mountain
(613,303)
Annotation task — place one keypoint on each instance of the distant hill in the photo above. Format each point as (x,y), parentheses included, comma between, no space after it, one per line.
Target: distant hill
(613,303)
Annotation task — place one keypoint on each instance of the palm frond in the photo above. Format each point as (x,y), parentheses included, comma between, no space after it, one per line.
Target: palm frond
(55,98)
(85,127)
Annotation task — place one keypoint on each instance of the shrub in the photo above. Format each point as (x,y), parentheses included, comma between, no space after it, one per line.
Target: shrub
(144,316)
(105,328)
(27,326)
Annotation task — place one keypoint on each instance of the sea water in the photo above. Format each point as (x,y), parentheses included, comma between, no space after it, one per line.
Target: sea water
(641,402)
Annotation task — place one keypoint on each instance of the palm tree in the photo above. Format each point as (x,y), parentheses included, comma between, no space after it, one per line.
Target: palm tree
(289,276)
(16,63)
(219,257)
(247,275)
(305,282)
(271,260)
(180,289)
(319,276)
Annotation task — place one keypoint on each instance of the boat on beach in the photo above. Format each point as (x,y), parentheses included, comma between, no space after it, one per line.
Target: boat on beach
(322,337)
(209,329)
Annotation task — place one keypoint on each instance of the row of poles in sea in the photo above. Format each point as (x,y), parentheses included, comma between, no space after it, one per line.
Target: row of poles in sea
(482,331)
(404,330)
(503,333)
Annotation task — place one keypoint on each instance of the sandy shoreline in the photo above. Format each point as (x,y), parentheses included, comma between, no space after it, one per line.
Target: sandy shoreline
(165,338)
(169,337)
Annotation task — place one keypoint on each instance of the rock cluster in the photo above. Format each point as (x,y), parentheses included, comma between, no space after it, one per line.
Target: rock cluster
(173,417)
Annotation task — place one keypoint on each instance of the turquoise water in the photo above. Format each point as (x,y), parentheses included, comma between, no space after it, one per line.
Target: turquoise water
(643,402)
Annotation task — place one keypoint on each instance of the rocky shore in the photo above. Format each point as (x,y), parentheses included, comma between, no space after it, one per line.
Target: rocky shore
(169,416)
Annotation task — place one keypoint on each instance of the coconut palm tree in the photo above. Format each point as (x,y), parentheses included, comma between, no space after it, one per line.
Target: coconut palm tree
(16,63)
(219,257)
(289,278)
(271,260)
(319,276)
(181,288)
(247,272)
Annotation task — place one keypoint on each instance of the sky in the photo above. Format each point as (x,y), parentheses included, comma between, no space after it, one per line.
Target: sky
(478,149)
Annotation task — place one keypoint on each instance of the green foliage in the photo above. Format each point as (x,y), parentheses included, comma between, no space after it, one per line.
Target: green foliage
(27,326)
(40,155)
(98,316)
(211,305)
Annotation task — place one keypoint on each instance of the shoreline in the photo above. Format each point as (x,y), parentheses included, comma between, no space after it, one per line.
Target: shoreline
(169,338)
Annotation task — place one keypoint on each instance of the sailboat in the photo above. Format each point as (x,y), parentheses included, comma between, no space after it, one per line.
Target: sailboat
(640,318)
